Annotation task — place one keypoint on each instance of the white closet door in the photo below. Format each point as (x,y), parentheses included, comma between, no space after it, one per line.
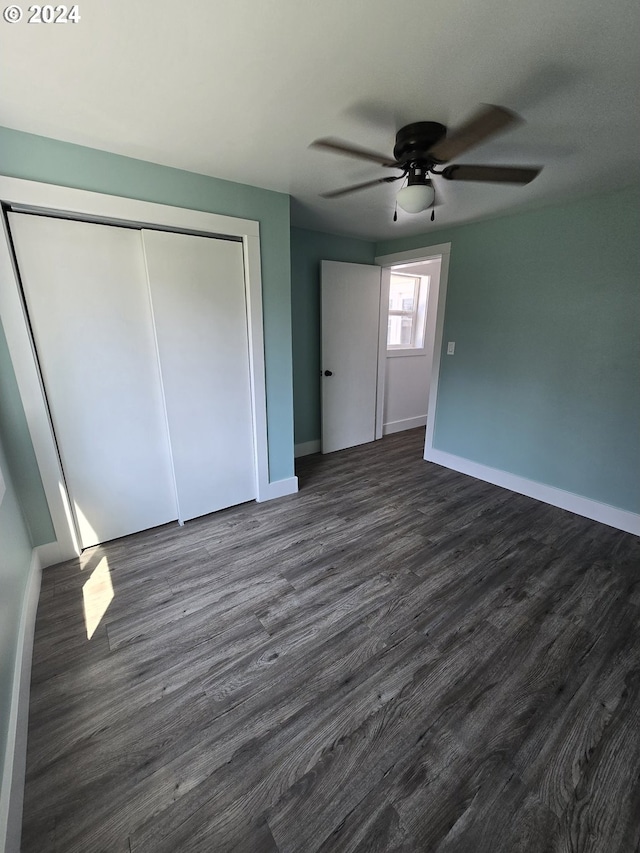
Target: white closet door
(198,299)
(87,297)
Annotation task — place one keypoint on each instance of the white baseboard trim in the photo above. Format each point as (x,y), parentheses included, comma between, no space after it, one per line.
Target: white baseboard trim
(13,771)
(306,448)
(278,489)
(405,423)
(49,554)
(605,513)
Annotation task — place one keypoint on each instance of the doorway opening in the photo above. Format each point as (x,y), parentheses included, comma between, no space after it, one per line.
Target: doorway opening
(413,295)
(409,351)
(408,370)
(380,345)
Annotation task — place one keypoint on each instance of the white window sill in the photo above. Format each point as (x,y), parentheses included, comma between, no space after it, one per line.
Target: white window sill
(403,353)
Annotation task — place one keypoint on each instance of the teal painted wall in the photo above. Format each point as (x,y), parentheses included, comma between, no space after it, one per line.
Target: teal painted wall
(308,248)
(544,308)
(15,559)
(37,158)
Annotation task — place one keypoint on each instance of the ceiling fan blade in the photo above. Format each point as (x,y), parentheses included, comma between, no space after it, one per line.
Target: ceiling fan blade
(356,187)
(340,147)
(488,121)
(492,174)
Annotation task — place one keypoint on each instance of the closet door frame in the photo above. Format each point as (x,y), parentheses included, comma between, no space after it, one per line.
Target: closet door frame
(34,197)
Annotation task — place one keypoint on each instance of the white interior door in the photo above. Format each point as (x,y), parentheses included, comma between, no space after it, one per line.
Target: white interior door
(198,297)
(86,292)
(350,350)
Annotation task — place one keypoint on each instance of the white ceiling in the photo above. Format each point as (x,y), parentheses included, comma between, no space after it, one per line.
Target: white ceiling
(238,90)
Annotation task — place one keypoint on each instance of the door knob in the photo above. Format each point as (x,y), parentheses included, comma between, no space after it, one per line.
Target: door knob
(328,373)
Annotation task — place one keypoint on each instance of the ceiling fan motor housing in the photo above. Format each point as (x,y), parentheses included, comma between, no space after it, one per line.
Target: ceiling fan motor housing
(418,175)
(414,141)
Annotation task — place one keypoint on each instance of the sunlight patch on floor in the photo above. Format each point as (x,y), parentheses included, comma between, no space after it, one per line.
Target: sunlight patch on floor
(98,595)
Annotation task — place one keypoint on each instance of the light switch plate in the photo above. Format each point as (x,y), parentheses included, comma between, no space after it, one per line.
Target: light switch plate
(451,347)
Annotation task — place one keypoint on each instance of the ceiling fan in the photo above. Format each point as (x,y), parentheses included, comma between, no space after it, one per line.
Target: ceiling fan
(423,146)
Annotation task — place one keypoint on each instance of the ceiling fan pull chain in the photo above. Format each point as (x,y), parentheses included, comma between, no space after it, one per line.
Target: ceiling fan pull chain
(433,214)
(395,213)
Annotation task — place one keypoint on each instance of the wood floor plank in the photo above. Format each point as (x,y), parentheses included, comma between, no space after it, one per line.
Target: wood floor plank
(503,816)
(266,767)
(553,760)
(610,775)
(373,826)
(398,658)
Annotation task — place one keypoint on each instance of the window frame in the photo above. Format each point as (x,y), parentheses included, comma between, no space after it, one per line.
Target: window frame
(418,315)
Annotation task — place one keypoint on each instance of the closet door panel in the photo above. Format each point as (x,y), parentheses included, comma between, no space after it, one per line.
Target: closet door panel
(198,298)
(87,297)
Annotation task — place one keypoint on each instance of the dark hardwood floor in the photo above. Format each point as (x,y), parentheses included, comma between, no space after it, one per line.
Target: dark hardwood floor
(399,658)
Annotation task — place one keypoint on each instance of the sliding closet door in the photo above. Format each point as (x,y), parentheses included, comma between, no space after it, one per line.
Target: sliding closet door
(87,297)
(198,298)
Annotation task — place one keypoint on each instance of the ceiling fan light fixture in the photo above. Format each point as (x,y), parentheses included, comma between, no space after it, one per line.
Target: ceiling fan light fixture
(416,197)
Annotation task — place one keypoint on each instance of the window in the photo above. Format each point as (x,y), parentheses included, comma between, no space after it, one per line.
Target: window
(407,304)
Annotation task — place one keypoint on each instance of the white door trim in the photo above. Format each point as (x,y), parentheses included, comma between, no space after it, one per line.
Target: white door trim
(385,279)
(427,253)
(33,196)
